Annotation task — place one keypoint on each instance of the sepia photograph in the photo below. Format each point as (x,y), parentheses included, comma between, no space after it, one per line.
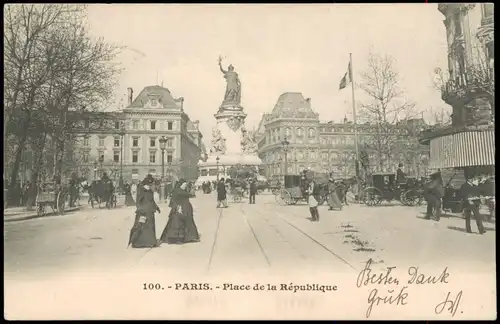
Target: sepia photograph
(249,162)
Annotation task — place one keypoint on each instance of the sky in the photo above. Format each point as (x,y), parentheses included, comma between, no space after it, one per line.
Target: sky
(274,49)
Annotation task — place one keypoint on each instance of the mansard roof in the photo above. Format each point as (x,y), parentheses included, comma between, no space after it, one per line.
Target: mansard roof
(293,105)
(163,95)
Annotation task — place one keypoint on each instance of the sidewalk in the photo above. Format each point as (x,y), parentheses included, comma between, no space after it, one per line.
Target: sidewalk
(20,213)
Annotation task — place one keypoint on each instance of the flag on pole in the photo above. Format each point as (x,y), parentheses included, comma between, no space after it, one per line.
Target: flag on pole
(347,78)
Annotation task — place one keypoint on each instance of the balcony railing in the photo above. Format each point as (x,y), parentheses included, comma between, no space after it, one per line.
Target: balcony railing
(466,86)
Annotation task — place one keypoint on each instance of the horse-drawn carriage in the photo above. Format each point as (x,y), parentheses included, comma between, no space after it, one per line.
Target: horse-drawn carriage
(102,192)
(238,189)
(383,186)
(274,185)
(50,194)
(295,188)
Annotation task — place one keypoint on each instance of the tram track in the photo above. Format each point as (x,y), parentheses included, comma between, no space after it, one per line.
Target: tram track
(212,250)
(252,230)
(324,247)
(287,241)
(256,237)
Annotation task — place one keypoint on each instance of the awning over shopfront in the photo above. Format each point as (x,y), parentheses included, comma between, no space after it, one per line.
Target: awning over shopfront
(471,148)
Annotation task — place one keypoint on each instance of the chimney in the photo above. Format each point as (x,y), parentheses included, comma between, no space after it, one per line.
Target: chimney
(130,95)
(181,99)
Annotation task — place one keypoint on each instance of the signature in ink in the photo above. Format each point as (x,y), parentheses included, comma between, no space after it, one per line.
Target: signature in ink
(449,304)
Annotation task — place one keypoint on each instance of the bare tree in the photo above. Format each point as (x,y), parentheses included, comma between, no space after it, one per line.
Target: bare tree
(26,68)
(52,68)
(387,106)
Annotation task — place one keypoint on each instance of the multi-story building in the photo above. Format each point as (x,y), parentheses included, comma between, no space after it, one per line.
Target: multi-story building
(328,146)
(470,90)
(128,141)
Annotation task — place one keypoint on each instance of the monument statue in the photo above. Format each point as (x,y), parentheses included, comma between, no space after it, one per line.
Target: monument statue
(248,144)
(218,142)
(233,87)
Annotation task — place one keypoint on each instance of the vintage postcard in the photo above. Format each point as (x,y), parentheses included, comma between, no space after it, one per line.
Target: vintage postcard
(312,161)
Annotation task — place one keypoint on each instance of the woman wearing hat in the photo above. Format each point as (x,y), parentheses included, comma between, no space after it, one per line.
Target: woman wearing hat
(143,234)
(181,227)
(333,198)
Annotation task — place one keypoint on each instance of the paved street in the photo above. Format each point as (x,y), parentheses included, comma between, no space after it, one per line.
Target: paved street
(248,238)
(244,240)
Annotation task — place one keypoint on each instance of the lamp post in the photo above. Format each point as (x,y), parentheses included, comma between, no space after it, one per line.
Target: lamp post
(163,145)
(95,170)
(285,144)
(101,161)
(122,135)
(217,163)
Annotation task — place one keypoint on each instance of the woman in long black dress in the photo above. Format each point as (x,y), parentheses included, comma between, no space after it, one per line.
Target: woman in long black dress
(129,200)
(143,233)
(180,226)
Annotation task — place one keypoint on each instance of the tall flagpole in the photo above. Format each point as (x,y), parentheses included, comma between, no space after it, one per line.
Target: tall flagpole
(354,115)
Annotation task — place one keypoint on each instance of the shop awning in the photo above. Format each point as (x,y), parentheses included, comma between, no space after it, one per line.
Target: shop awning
(471,148)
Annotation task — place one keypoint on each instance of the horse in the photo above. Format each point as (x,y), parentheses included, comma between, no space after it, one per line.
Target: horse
(343,186)
(100,191)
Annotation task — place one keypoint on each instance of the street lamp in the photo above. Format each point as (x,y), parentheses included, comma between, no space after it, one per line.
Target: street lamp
(217,162)
(285,144)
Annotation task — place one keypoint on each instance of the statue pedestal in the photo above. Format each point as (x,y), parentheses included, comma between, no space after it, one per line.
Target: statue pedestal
(229,123)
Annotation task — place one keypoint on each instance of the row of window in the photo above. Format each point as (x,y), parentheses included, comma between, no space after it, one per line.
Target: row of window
(135,141)
(135,124)
(135,157)
(325,157)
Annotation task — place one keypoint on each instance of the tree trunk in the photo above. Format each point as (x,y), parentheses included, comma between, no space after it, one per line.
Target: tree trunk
(17,161)
(59,161)
(36,171)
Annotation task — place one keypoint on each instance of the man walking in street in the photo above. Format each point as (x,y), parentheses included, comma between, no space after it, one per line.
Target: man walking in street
(221,194)
(434,192)
(312,200)
(470,195)
(253,191)
(400,175)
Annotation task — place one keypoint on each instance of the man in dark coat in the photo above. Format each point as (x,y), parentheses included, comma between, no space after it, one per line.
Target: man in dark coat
(73,190)
(400,175)
(434,192)
(252,191)
(221,194)
(470,193)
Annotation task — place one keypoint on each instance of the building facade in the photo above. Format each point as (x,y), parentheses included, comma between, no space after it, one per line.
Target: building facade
(330,147)
(128,142)
(469,89)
